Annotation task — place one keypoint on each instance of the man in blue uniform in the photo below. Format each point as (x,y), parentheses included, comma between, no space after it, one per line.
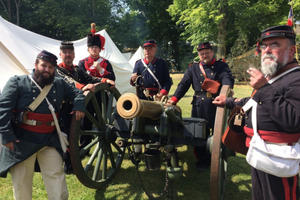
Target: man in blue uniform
(276,87)
(151,74)
(28,131)
(95,65)
(202,99)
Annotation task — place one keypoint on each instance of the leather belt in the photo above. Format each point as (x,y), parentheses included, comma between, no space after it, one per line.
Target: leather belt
(31,122)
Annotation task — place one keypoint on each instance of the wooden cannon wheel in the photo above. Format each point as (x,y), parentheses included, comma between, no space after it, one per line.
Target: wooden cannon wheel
(97,162)
(218,163)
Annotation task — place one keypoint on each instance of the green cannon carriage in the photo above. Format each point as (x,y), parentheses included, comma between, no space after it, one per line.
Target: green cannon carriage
(119,123)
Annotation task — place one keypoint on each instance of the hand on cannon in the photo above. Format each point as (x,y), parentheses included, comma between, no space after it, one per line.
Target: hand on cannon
(170,102)
(110,82)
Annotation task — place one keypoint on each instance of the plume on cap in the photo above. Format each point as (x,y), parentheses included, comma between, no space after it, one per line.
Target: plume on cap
(93,28)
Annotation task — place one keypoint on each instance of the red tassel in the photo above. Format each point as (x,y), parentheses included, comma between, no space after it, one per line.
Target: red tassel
(257,50)
(93,28)
(102,39)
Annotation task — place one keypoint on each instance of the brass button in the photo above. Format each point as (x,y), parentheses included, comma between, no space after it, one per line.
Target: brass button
(202,98)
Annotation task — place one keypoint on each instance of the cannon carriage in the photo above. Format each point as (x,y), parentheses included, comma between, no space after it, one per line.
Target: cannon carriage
(119,123)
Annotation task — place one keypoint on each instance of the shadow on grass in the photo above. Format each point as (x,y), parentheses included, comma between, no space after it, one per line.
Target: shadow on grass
(192,185)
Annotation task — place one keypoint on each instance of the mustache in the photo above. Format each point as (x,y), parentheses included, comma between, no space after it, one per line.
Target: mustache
(266,56)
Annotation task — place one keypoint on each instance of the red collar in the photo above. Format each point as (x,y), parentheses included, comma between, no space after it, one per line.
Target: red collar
(94,59)
(63,65)
(147,62)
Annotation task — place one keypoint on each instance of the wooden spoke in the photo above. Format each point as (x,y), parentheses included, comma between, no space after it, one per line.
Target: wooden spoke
(97,161)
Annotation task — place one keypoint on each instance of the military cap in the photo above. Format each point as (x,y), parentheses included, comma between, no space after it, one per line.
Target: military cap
(149,43)
(282,31)
(47,56)
(66,45)
(204,45)
(93,40)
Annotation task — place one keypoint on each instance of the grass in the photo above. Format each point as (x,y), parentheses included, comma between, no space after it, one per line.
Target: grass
(125,186)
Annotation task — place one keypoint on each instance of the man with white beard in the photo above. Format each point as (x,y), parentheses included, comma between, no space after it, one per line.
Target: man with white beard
(276,91)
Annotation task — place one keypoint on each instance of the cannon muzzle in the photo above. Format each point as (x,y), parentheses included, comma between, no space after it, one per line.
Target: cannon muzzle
(130,106)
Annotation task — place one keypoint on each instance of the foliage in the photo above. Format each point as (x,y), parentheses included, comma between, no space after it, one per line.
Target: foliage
(243,20)
(158,25)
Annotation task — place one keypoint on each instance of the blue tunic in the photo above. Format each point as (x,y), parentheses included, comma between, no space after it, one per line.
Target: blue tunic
(160,69)
(202,101)
(18,93)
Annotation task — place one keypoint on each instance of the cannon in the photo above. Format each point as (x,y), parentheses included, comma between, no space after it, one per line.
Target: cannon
(121,122)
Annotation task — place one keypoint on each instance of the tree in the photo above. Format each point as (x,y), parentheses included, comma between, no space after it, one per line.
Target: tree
(157,24)
(224,21)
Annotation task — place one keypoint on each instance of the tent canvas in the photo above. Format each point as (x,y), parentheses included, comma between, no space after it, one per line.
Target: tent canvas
(25,45)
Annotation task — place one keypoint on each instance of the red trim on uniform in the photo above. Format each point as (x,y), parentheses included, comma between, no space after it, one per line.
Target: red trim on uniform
(79,85)
(149,44)
(175,99)
(152,89)
(274,136)
(164,92)
(152,62)
(63,65)
(295,183)
(286,188)
(212,62)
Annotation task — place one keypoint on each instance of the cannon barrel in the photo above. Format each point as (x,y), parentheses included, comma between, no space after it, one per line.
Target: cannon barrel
(130,106)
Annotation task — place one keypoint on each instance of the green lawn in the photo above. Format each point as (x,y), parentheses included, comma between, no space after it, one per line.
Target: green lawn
(194,185)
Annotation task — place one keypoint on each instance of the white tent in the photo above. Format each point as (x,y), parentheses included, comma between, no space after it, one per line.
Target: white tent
(136,56)
(20,48)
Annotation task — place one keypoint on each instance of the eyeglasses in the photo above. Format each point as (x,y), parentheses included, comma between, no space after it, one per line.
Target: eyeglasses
(204,53)
(272,46)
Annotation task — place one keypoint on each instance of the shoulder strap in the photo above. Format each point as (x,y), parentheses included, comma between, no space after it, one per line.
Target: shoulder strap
(40,98)
(202,70)
(151,73)
(62,138)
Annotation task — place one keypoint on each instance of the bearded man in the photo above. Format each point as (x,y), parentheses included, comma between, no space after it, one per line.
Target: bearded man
(276,91)
(27,128)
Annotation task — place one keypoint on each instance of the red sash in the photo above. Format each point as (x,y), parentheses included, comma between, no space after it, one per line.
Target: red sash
(43,122)
(272,136)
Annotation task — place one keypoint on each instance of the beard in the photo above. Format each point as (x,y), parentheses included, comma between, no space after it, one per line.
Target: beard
(41,79)
(271,66)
